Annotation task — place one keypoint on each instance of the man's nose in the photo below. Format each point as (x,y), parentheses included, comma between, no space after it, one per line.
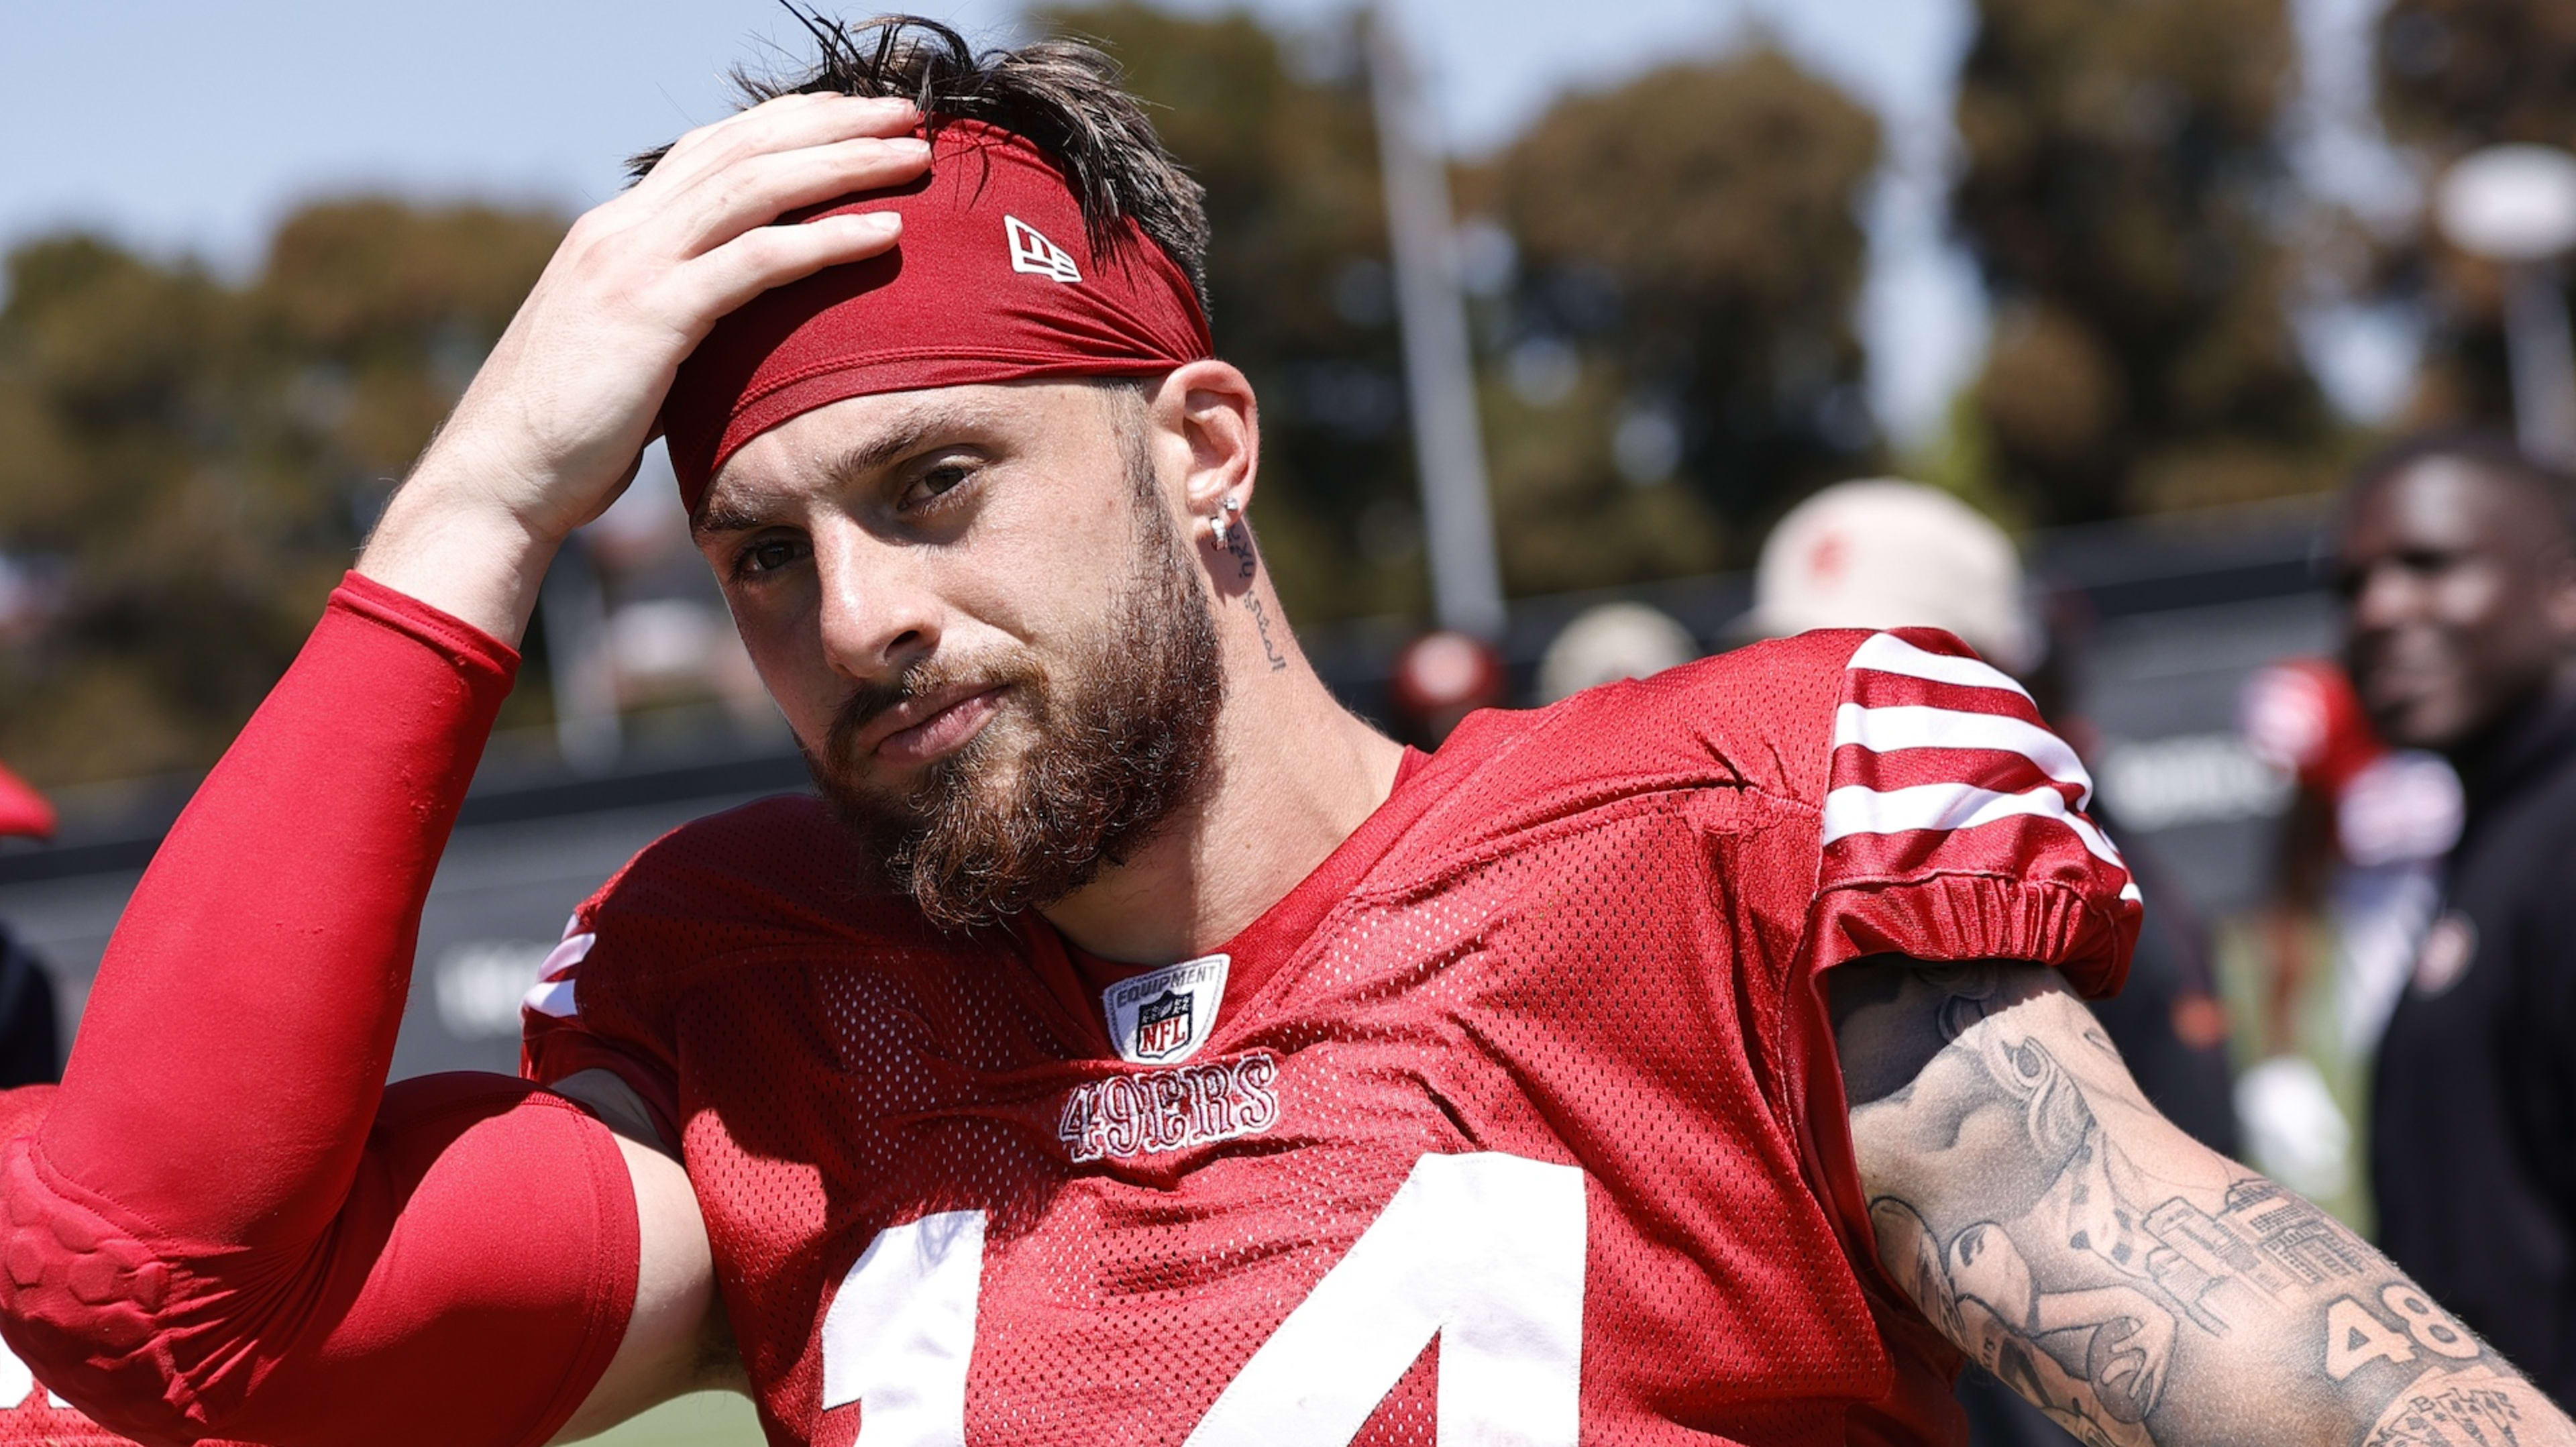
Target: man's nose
(879,613)
(2386,596)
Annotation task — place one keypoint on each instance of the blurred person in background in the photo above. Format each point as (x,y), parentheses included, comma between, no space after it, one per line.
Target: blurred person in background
(1438,679)
(2456,561)
(30,1048)
(1611,641)
(1886,553)
(2356,881)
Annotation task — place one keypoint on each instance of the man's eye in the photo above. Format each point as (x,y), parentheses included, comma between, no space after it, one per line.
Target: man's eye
(938,482)
(771,554)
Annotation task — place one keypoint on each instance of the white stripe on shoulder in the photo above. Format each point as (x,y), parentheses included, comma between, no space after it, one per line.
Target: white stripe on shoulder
(1948,808)
(1919,726)
(1887,653)
(569,951)
(553,998)
(553,994)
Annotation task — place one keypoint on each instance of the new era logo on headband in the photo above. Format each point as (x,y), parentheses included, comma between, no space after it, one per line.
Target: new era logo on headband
(1033,253)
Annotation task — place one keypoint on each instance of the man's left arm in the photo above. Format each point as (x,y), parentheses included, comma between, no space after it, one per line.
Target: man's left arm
(2135,1285)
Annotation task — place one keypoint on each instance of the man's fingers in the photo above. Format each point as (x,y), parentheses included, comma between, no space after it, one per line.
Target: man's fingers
(757,190)
(732,274)
(790,122)
(686,154)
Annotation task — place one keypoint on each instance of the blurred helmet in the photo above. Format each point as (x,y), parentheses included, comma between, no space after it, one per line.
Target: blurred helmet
(1886,553)
(2301,716)
(1440,678)
(1609,642)
(22,809)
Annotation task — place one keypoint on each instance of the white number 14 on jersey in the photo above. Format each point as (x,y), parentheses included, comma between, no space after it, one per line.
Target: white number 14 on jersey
(1483,1251)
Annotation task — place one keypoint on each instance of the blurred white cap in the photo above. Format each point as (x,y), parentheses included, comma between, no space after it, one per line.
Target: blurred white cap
(1886,553)
(1608,642)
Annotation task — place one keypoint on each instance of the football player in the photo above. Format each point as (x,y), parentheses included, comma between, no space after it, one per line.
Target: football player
(1128,1044)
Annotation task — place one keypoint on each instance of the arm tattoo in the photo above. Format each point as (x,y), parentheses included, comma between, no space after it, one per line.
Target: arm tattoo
(2137,1287)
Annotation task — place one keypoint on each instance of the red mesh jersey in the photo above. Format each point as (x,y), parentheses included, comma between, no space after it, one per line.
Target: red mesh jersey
(1517,1121)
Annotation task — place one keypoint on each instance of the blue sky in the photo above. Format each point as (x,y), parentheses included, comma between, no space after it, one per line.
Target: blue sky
(190,126)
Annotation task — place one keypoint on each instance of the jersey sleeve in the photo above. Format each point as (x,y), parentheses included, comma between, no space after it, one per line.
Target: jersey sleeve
(1948,825)
(732,887)
(557,1041)
(1951,824)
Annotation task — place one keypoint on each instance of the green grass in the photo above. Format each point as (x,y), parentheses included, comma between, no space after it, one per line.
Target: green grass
(702,1419)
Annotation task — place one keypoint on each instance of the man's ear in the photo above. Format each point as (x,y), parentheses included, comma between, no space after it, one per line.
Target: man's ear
(1205,413)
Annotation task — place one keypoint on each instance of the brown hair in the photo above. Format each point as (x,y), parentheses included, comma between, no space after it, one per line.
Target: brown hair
(1062,96)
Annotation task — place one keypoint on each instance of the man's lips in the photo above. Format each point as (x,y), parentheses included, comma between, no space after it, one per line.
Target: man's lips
(919,730)
(2396,674)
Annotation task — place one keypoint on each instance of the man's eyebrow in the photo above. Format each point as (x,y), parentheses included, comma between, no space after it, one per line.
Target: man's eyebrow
(717,516)
(909,434)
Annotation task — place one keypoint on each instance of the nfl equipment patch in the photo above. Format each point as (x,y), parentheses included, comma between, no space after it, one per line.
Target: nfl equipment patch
(1164,1016)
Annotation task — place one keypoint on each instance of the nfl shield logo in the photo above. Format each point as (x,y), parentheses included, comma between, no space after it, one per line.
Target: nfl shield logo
(1162,1026)
(1164,1015)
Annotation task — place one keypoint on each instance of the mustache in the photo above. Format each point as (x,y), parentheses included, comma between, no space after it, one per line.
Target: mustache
(871,699)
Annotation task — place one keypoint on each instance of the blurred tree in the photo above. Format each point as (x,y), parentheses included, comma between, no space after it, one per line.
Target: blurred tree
(1283,140)
(1683,317)
(2455,75)
(1678,350)
(186,467)
(2122,194)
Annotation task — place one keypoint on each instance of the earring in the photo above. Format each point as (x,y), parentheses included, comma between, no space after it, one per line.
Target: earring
(1220,527)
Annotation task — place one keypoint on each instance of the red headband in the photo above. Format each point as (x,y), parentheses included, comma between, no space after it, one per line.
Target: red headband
(993,281)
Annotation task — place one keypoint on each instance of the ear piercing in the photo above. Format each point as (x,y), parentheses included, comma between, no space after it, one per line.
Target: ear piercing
(1221,526)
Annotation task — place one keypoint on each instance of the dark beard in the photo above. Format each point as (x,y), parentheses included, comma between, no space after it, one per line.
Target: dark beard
(1118,741)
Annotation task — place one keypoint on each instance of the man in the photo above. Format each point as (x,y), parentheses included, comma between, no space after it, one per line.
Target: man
(2459,582)
(1136,1047)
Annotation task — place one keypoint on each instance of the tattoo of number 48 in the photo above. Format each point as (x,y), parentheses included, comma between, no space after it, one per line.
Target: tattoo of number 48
(2355,1337)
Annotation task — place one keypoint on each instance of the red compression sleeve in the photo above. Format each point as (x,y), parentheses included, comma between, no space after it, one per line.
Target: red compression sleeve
(227,1226)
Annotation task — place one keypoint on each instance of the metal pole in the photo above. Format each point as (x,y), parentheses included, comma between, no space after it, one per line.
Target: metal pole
(2543,358)
(1439,372)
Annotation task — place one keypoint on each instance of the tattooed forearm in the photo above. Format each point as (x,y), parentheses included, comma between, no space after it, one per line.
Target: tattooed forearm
(2137,1287)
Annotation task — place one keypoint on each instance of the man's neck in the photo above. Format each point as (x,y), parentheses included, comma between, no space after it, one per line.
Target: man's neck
(2519,735)
(1294,774)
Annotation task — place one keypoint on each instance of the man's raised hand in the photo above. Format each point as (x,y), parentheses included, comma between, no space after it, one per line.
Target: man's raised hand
(552,425)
